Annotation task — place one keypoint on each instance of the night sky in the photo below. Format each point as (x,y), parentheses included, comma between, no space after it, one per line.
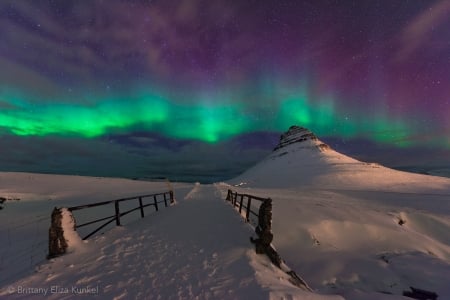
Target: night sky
(200,90)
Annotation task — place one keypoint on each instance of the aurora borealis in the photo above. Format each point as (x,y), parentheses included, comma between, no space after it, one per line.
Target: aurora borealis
(178,82)
(209,120)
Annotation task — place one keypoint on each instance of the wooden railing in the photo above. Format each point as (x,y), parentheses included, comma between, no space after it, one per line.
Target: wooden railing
(244,201)
(263,229)
(166,196)
(57,244)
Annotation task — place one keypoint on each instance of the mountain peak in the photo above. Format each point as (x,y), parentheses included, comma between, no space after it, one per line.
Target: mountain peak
(298,134)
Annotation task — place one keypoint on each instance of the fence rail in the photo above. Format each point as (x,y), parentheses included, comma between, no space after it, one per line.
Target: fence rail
(166,196)
(263,230)
(233,198)
(57,244)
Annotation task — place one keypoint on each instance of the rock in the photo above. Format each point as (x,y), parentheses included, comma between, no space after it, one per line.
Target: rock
(263,230)
(420,294)
(57,244)
(297,134)
(2,200)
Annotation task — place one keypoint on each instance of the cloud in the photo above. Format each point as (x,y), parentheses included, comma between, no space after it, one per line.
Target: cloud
(420,30)
(16,78)
(6,105)
(192,41)
(424,157)
(141,155)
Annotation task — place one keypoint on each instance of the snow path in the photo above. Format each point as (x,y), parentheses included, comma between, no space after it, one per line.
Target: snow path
(197,249)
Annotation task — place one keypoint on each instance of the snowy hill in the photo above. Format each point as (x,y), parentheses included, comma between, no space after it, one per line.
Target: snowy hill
(353,228)
(301,159)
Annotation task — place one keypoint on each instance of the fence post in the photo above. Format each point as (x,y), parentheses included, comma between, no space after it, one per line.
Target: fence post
(57,244)
(155,202)
(247,215)
(142,208)
(116,206)
(165,199)
(264,228)
(240,204)
(171,197)
(228,195)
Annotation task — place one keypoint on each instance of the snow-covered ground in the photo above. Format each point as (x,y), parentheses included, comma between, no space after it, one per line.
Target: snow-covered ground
(24,222)
(198,248)
(351,230)
(350,227)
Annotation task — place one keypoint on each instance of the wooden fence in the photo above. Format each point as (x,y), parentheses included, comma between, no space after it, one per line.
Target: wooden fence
(167,196)
(263,229)
(244,202)
(57,242)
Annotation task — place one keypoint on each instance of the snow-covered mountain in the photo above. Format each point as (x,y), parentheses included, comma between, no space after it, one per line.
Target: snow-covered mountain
(356,229)
(301,159)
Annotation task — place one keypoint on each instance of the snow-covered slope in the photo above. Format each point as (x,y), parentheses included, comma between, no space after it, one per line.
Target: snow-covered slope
(25,218)
(301,159)
(353,228)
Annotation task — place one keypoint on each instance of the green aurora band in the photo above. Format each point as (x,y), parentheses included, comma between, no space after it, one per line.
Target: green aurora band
(206,118)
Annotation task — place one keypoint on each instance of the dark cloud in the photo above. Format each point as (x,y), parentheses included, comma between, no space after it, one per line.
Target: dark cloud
(420,159)
(124,156)
(151,156)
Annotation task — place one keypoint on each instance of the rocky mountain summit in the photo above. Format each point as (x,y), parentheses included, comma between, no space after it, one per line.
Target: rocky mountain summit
(297,134)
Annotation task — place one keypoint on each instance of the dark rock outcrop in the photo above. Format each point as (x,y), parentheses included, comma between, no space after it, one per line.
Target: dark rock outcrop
(420,294)
(297,134)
